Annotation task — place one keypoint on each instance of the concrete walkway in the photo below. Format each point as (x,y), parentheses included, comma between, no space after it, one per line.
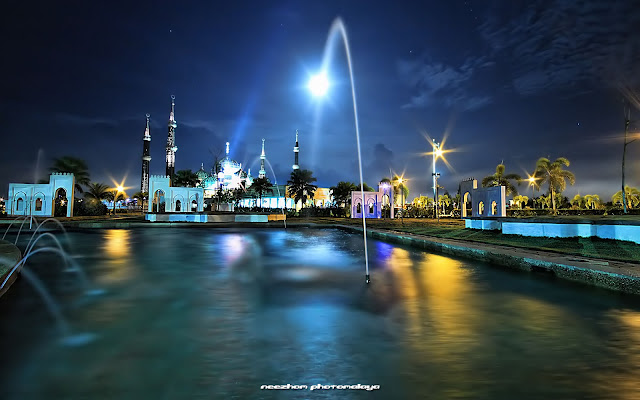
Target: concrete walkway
(9,256)
(615,275)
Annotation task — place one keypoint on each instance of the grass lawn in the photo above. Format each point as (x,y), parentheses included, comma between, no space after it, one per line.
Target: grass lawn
(454,229)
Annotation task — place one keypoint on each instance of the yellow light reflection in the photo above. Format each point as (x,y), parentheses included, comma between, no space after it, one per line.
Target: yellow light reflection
(116,243)
(436,286)
(620,381)
(117,249)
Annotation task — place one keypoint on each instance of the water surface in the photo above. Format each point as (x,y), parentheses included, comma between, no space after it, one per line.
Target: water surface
(215,314)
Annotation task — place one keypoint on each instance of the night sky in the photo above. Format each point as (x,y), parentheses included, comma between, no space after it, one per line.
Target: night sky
(504,80)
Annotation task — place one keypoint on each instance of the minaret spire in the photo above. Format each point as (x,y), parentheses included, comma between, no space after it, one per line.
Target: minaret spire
(227,149)
(296,150)
(146,158)
(262,173)
(171,140)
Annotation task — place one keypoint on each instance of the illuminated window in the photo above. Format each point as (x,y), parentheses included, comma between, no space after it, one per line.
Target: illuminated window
(481,208)
(38,204)
(494,208)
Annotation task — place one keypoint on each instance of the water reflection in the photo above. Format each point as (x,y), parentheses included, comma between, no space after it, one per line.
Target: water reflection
(428,326)
(117,265)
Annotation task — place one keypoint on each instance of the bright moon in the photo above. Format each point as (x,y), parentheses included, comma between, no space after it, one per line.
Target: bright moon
(318,85)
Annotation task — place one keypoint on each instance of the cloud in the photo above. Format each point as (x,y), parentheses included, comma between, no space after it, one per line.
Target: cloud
(83,121)
(437,83)
(379,165)
(563,43)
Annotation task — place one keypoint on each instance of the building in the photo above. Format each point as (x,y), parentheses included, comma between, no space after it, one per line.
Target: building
(227,174)
(146,158)
(374,202)
(171,148)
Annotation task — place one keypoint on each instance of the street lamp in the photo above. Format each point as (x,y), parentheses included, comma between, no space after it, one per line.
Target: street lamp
(627,121)
(119,189)
(437,152)
(401,181)
(532,183)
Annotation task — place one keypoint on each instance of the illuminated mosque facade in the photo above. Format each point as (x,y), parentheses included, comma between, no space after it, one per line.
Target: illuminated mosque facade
(227,174)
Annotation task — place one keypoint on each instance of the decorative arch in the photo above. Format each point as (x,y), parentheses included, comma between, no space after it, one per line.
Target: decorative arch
(39,202)
(54,198)
(494,208)
(20,204)
(178,200)
(480,207)
(60,202)
(371,206)
(466,204)
(159,204)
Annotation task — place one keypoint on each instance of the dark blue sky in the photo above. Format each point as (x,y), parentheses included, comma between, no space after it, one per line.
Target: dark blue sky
(508,81)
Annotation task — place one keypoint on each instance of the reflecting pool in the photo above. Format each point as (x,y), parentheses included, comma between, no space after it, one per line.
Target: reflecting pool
(216,314)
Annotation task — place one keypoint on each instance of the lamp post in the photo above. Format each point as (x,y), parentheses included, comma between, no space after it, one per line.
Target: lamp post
(401,187)
(627,120)
(119,189)
(437,152)
(435,205)
(532,183)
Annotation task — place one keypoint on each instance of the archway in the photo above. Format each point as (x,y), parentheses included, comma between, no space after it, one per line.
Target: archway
(358,208)
(20,205)
(466,205)
(481,208)
(194,205)
(60,203)
(178,205)
(371,206)
(158,201)
(38,206)
(494,208)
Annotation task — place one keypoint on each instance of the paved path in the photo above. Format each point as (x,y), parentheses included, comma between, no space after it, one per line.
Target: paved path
(9,256)
(615,275)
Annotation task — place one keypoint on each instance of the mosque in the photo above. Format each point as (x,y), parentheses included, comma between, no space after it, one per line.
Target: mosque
(228,174)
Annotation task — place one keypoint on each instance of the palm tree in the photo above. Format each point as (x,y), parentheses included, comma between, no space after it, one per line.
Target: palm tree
(261,186)
(397,187)
(445,201)
(75,166)
(366,187)
(342,193)
(141,196)
(554,174)
(301,185)
(97,191)
(632,196)
(578,201)
(185,178)
(519,199)
(592,201)
(544,201)
(237,195)
(502,179)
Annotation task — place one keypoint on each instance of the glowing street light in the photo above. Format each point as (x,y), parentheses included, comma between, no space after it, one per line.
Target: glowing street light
(319,84)
(533,183)
(401,180)
(437,152)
